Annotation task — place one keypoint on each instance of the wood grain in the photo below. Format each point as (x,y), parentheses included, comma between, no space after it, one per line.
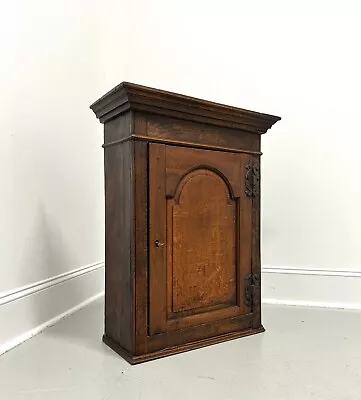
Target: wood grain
(204,242)
(197,198)
(190,132)
(182,221)
(140,235)
(173,142)
(168,351)
(198,332)
(129,96)
(117,129)
(226,164)
(157,232)
(119,310)
(256,253)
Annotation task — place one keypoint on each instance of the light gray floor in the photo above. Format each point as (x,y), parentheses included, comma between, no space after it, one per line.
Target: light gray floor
(305,354)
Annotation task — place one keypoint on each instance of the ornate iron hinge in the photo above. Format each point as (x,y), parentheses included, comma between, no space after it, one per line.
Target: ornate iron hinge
(252,180)
(252,289)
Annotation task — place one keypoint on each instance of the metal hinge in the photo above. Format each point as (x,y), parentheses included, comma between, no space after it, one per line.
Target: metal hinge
(252,180)
(252,289)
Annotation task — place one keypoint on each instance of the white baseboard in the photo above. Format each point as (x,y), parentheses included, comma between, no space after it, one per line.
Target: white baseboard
(311,287)
(26,311)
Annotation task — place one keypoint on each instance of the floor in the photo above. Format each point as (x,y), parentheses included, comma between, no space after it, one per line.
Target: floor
(304,354)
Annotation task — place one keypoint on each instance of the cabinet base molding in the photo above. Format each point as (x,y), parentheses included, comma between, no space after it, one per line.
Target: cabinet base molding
(134,359)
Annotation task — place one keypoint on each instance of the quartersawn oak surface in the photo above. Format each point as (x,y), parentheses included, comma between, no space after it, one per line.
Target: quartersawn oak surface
(181,232)
(197,207)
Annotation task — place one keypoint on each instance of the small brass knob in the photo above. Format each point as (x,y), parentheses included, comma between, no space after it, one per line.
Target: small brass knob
(158,243)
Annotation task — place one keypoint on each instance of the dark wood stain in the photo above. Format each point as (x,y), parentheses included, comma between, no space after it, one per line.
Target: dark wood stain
(198,332)
(148,100)
(256,253)
(117,129)
(180,160)
(140,238)
(195,133)
(118,224)
(182,227)
(151,139)
(203,239)
(157,232)
(197,201)
(168,351)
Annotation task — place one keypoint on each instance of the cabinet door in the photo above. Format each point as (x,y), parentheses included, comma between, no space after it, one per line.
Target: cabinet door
(200,237)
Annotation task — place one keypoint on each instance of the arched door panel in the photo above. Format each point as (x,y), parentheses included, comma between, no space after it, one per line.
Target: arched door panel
(200,226)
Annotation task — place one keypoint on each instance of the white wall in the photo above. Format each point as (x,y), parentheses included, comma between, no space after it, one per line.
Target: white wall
(301,63)
(299,60)
(51,161)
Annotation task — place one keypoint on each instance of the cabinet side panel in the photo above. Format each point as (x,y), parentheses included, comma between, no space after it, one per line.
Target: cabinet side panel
(118,166)
(117,128)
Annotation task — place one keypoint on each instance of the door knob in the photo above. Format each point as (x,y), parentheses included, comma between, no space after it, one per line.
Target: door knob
(158,243)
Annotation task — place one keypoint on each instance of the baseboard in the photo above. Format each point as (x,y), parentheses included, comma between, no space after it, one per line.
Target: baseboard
(311,287)
(26,311)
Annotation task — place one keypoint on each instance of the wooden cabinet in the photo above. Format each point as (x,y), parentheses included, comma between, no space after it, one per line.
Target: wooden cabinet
(182,209)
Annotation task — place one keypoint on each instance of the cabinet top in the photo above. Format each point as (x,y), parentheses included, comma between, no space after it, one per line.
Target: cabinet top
(129,96)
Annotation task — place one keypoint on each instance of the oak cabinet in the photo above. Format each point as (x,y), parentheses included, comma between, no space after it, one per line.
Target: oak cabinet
(182,221)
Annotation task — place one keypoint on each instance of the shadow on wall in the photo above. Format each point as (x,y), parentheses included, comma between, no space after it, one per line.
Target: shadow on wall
(47,253)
